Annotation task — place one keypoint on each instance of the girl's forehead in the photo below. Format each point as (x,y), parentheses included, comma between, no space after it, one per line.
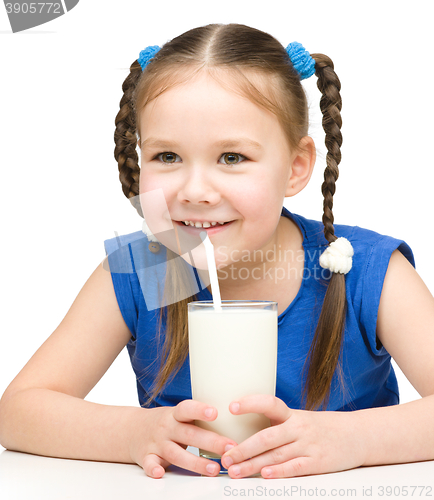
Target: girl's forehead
(203,99)
(201,87)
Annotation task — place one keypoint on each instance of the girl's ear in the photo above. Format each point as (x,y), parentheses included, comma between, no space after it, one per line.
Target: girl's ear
(301,167)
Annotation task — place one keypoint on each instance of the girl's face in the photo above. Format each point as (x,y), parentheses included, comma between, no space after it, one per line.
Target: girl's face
(217,157)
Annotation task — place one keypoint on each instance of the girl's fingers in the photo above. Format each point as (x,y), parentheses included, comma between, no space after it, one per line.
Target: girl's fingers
(300,466)
(154,466)
(176,455)
(271,438)
(191,435)
(281,462)
(271,464)
(274,440)
(189,410)
(273,408)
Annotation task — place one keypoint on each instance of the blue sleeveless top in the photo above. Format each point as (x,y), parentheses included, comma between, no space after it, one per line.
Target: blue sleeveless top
(369,379)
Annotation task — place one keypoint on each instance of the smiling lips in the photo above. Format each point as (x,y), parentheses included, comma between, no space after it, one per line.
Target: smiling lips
(194,227)
(202,224)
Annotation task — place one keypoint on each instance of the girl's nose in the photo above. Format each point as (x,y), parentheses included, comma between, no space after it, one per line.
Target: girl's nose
(198,189)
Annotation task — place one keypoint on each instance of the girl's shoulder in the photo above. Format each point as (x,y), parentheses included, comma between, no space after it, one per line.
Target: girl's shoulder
(129,253)
(139,270)
(364,282)
(113,244)
(369,246)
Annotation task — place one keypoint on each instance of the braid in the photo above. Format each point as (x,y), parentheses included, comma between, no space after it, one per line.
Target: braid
(326,345)
(126,139)
(331,105)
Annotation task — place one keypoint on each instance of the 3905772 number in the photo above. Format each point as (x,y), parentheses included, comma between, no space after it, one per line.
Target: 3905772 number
(411,491)
(34,8)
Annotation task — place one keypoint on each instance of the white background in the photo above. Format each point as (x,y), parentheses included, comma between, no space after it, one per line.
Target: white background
(60,89)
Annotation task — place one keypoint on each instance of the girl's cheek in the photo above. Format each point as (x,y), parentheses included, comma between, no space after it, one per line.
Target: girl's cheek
(151,183)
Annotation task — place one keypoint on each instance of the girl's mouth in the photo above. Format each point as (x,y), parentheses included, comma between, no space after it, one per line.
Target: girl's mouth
(196,227)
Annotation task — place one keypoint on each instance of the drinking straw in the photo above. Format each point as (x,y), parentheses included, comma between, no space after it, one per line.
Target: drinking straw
(212,269)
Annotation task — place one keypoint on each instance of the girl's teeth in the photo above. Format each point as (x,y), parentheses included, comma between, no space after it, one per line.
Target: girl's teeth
(202,224)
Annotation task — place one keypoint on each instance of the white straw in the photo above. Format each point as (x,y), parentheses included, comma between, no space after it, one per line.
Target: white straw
(212,269)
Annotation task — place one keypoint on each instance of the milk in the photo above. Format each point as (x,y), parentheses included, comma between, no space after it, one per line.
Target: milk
(233,353)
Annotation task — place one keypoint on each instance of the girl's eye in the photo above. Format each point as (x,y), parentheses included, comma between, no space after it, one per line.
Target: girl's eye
(167,157)
(232,158)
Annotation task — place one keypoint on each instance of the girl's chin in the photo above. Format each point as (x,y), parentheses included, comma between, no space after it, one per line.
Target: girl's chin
(187,242)
(197,258)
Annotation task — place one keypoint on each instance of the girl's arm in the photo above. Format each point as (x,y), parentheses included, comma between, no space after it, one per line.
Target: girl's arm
(304,442)
(405,327)
(43,410)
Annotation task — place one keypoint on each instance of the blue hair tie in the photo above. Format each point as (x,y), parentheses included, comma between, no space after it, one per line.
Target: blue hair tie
(147,54)
(302,61)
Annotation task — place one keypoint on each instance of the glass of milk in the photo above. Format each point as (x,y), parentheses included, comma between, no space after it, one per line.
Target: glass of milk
(233,353)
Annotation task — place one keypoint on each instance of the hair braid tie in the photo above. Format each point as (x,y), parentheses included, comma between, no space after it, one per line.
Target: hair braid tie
(301,60)
(147,54)
(338,256)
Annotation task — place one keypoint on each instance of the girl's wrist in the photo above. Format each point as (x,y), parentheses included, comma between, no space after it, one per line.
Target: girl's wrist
(380,437)
(138,423)
(359,430)
(143,431)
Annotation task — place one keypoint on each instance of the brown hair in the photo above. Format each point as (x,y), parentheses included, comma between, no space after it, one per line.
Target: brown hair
(244,53)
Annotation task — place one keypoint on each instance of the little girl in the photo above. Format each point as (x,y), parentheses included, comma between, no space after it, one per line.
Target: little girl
(220,117)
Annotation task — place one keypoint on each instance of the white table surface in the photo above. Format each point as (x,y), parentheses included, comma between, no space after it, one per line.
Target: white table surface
(31,477)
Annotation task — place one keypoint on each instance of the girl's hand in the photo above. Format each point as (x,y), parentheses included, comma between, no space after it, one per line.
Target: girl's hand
(163,434)
(298,443)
